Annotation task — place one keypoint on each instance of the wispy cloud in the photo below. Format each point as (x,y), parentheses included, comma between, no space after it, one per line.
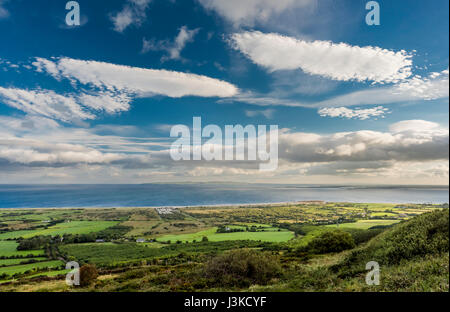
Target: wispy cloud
(433,87)
(133,13)
(67,107)
(249,12)
(174,47)
(414,89)
(44,103)
(268,113)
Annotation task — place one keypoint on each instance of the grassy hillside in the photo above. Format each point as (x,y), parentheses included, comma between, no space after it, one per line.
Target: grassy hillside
(413,256)
(413,252)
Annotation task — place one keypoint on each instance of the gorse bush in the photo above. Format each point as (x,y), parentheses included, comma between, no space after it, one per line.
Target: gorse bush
(333,241)
(242,267)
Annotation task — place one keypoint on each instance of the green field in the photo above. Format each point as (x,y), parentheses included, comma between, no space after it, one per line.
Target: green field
(50,274)
(73,227)
(9,249)
(363,224)
(11,270)
(9,262)
(269,235)
(109,253)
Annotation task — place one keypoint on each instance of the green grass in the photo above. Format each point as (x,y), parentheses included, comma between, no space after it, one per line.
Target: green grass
(110,253)
(74,227)
(11,270)
(363,224)
(9,262)
(9,249)
(50,274)
(266,236)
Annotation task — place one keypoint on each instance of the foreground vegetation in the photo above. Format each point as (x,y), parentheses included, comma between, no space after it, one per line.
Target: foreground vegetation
(311,246)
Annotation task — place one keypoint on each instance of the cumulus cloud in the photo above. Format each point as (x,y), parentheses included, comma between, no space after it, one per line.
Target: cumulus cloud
(137,81)
(340,61)
(249,12)
(37,153)
(413,149)
(173,48)
(133,13)
(348,113)
(404,142)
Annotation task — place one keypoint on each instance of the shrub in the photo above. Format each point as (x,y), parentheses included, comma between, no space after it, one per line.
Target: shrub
(88,274)
(242,267)
(333,241)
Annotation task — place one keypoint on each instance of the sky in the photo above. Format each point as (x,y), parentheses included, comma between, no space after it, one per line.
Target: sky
(95,102)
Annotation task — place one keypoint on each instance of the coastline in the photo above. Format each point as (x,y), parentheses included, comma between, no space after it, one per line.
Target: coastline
(225,206)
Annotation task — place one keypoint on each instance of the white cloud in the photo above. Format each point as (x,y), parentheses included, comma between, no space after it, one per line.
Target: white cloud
(44,65)
(67,108)
(362,114)
(44,103)
(133,13)
(249,12)
(433,87)
(417,126)
(138,81)
(173,48)
(106,101)
(413,89)
(406,141)
(414,151)
(340,61)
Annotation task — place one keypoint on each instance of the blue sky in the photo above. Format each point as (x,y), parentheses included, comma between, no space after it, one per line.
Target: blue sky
(374,99)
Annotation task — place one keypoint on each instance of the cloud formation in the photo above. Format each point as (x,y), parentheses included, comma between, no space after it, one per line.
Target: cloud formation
(348,113)
(173,48)
(412,149)
(249,12)
(135,81)
(66,108)
(340,61)
(133,13)
(406,141)
(44,103)
(436,86)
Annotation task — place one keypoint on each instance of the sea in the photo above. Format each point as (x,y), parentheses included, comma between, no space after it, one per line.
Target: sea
(208,194)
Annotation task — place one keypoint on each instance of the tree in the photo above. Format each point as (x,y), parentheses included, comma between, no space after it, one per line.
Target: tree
(205,239)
